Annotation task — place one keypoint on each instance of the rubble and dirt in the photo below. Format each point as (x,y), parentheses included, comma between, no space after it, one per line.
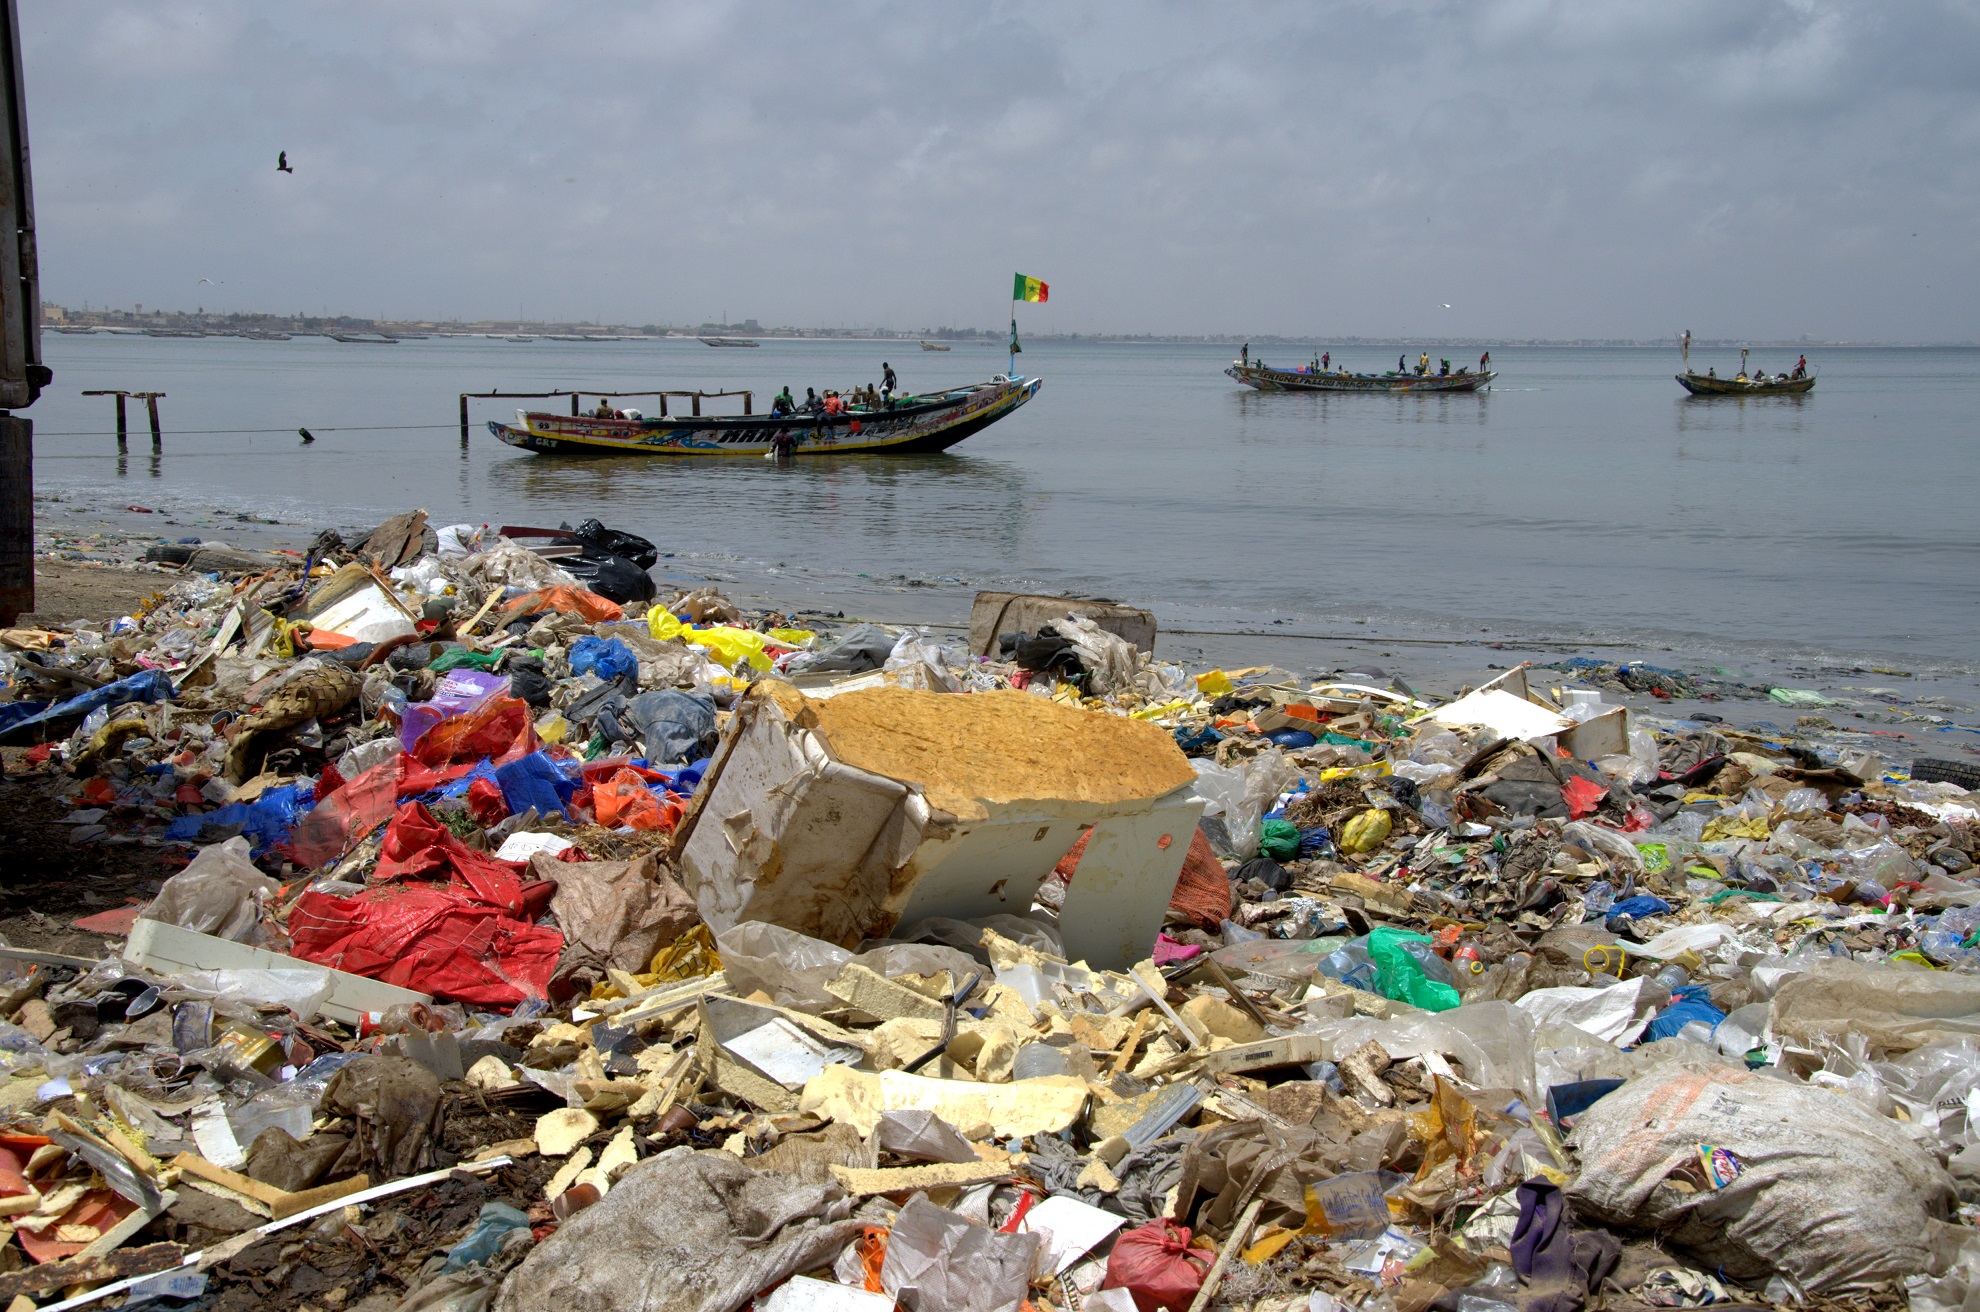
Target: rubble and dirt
(402,924)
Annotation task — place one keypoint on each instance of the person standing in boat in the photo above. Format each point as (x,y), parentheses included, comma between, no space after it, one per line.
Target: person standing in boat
(888,383)
(1402,364)
(782,404)
(1801,367)
(1326,360)
(1484,362)
(1244,356)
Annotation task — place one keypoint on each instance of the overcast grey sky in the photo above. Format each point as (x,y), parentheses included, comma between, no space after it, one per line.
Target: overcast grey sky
(1741,167)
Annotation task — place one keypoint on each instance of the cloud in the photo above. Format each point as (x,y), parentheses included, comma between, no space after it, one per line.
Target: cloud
(1549,169)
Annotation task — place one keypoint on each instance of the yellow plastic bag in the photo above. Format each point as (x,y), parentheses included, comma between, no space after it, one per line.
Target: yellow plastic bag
(690,956)
(729,645)
(1366,832)
(1214,683)
(793,637)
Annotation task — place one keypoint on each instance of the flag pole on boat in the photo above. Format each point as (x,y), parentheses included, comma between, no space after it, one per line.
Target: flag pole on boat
(1023,289)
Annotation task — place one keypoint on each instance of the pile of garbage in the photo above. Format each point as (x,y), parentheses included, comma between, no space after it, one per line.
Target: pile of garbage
(529,946)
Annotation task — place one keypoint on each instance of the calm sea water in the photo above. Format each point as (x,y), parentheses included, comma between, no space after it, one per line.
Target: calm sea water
(1584,499)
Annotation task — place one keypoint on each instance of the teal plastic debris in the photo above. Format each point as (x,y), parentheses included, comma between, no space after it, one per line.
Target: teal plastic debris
(1279,839)
(1400,973)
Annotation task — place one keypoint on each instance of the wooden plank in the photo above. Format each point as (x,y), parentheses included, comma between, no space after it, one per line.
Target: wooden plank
(280,1202)
(120,1265)
(907,1179)
(16,518)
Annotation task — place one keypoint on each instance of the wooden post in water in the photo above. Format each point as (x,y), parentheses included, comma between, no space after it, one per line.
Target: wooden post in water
(748,399)
(574,405)
(464,419)
(151,407)
(122,427)
(16,517)
(697,405)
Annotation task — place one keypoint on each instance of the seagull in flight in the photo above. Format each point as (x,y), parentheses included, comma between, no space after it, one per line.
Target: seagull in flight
(1445,306)
(282,162)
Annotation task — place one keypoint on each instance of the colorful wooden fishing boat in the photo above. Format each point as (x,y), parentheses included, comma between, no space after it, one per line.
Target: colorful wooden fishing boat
(1708,385)
(1315,380)
(914,425)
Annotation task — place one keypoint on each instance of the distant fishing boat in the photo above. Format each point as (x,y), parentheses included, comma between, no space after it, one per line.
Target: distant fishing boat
(173,332)
(1266,379)
(365,339)
(255,335)
(1743,384)
(76,331)
(914,425)
(728,341)
(1708,385)
(933,346)
(518,337)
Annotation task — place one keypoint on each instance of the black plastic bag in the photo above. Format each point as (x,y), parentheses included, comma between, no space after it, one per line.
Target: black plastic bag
(629,546)
(612,577)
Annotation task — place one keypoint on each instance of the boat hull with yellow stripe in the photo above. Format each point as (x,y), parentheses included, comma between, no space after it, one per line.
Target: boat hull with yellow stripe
(918,425)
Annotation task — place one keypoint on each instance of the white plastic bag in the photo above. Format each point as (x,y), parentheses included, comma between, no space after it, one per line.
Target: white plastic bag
(792,968)
(220,893)
(1826,1192)
(1242,795)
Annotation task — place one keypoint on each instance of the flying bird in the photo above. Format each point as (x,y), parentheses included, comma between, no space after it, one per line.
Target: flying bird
(206,280)
(1446,306)
(282,162)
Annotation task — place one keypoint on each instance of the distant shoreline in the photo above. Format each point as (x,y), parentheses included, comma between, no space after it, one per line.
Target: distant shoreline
(191,328)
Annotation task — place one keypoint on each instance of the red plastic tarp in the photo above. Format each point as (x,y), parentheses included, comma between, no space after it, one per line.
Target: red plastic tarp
(437,938)
(472,938)
(418,846)
(345,812)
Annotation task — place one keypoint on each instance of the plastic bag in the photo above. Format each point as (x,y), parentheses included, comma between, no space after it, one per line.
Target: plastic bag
(922,663)
(675,725)
(301,991)
(1826,1192)
(1402,975)
(1156,1265)
(1366,831)
(1279,840)
(1110,660)
(1242,795)
(608,658)
(498,728)
(729,645)
(220,893)
(625,800)
(791,967)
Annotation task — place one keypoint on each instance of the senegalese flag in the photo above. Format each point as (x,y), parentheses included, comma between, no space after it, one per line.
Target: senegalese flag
(1030,289)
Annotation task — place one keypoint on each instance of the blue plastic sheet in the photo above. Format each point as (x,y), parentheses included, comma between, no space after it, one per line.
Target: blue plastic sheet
(1638,907)
(534,781)
(1690,1003)
(1195,741)
(266,821)
(144,686)
(608,658)
(1315,842)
